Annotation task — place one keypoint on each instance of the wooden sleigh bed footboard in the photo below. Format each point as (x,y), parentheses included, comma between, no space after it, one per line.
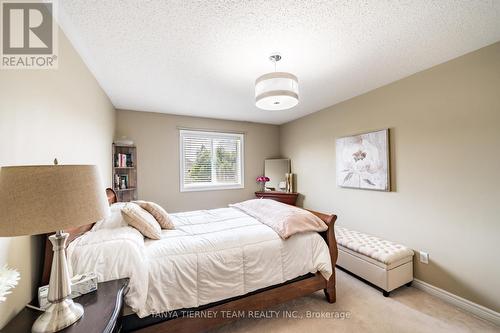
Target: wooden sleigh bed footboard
(216,314)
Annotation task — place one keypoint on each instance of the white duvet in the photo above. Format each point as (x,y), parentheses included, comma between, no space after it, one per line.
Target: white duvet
(210,256)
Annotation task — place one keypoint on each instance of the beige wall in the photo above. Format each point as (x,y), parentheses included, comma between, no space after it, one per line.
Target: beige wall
(157,138)
(46,114)
(445,132)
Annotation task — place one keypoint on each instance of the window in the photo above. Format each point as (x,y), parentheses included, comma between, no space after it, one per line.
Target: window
(211,160)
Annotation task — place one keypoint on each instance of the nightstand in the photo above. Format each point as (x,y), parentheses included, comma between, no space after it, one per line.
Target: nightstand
(103,309)
(289,198)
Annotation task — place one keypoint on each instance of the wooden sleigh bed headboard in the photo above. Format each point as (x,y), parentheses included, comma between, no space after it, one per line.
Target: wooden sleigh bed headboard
(73,233)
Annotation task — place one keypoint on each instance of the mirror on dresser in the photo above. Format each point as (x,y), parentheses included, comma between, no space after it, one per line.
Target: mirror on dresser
(280,186)
(277,170)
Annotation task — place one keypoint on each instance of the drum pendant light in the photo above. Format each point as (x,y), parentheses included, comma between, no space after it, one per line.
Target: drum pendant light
(276,90)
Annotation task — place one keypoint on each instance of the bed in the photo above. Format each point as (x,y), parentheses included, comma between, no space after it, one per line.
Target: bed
(218,260)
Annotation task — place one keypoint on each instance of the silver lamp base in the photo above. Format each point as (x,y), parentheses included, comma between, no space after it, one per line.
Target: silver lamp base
(62,311)
(58,316)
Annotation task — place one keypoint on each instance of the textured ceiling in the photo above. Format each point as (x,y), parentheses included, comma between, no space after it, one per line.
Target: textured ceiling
(201,58)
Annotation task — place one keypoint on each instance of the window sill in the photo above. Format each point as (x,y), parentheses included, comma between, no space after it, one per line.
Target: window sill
(211,188)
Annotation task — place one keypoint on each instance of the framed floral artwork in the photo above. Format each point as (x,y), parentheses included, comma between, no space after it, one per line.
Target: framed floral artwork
(363,161)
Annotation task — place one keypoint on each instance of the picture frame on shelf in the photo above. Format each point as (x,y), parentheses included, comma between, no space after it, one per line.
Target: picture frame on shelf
(124,184)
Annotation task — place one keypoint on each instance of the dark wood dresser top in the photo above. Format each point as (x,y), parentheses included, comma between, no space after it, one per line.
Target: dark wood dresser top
(289,198)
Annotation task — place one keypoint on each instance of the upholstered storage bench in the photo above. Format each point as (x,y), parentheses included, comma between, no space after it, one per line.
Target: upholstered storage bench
(385,264)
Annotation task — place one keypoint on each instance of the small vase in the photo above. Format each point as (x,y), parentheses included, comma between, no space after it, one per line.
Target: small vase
(262,187)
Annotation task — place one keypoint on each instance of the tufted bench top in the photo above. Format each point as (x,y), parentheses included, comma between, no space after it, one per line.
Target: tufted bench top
(373,247)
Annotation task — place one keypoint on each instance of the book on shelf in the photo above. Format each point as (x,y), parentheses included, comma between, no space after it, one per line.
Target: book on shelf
(121,181)
(123,161)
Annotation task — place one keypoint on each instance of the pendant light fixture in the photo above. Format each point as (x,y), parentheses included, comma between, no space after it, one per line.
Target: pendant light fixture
(276,90)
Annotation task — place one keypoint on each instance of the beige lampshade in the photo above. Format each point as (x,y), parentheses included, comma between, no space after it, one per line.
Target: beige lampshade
(43,199)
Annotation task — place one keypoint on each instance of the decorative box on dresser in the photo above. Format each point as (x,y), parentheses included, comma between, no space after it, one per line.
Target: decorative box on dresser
(103,310)
(289,198)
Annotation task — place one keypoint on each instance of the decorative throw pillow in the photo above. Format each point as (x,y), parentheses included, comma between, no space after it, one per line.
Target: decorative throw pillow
(158,213)
(141,220)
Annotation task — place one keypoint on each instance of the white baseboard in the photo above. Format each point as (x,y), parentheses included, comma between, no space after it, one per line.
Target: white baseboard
(476,309)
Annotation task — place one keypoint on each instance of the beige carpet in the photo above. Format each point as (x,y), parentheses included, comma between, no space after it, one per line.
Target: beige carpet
(406,310)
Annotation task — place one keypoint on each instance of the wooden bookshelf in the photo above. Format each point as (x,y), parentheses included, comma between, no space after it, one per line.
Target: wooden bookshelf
(125,167)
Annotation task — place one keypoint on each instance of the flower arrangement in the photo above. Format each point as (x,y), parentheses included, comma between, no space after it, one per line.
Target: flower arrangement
(8,280)
(263,180)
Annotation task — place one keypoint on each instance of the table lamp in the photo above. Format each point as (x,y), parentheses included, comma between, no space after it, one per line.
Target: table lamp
(40,199)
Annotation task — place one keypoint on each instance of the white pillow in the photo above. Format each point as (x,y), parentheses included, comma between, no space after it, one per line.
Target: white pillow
(114,220)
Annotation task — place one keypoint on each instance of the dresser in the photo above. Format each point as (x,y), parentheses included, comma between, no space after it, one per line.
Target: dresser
(289,198)
(103,309)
